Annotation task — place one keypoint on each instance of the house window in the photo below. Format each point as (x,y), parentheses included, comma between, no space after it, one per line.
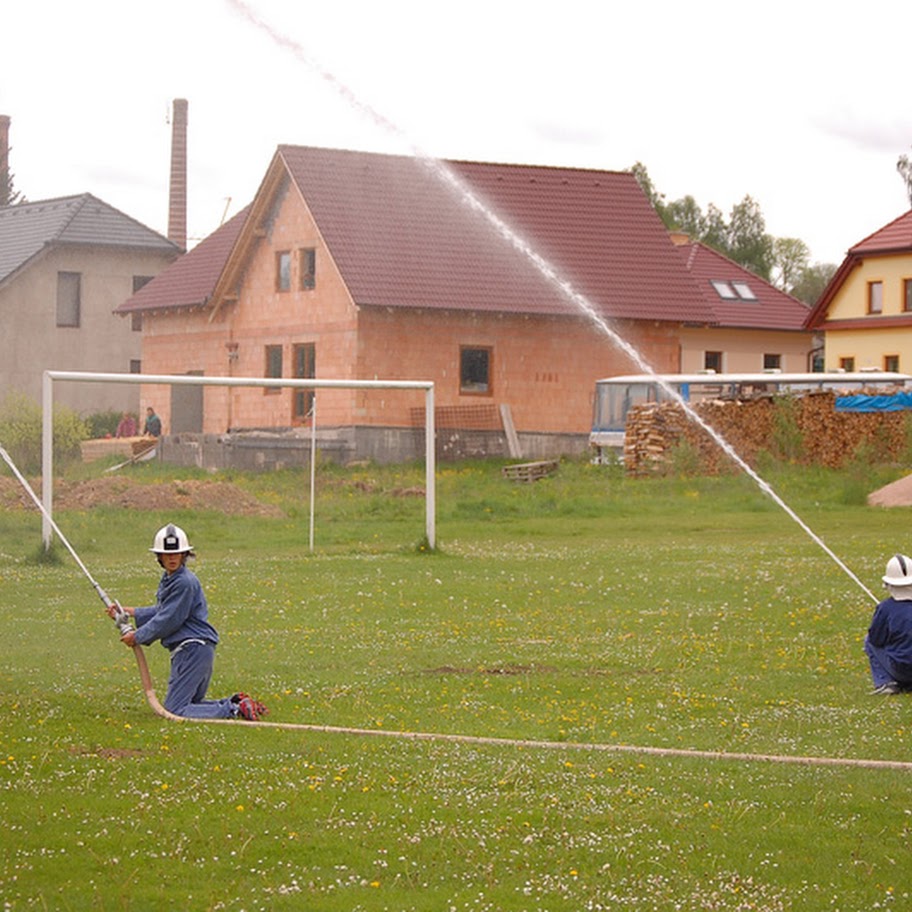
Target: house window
(273,365)
(475,370)
(283,270)
(68,298)
(847,364)
(136,321)
(772,362)
(304,368)
(139,281)
(875,297)
(135,366)
(907,295)
(712,361)
(308,267)
(891,363)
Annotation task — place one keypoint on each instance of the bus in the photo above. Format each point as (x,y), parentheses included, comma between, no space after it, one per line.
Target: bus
(615,396)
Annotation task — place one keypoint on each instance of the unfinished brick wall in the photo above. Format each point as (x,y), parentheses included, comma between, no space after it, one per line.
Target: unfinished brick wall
(820,435)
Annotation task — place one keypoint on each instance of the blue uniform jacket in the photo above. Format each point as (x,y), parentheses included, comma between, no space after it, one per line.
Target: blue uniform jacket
(891,629)
(180,612)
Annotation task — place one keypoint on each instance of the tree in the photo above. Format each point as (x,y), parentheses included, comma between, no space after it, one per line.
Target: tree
(749,244)
(9,195)
(790,259)
(744,239)
(811,283)
(685,215)
(656,199)
(904,166)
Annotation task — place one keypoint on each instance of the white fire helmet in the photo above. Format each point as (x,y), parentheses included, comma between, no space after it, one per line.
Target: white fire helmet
(172,539)
(899,571)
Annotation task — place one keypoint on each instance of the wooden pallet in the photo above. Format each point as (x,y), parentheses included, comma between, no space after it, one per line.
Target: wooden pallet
(530,471)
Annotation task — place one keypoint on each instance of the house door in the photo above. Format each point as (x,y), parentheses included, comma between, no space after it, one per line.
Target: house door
(303,368)
(187,408)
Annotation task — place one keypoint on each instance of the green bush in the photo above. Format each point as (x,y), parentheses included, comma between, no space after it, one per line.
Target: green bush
(103,424)
(20,432)
(788,441)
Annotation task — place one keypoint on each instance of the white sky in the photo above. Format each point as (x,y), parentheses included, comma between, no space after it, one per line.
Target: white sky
(804,106)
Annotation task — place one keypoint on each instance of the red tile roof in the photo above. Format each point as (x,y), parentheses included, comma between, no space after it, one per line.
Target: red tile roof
(892,238)
(190,280)
(402,237)
(772,309)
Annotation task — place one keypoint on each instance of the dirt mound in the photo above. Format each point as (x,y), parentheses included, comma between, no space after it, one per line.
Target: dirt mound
(895,494)
(219,496)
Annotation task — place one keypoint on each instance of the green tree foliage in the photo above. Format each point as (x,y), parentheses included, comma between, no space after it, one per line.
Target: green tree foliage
(749,244)
(791,257)
(744,239)
(812,281)
(20,432)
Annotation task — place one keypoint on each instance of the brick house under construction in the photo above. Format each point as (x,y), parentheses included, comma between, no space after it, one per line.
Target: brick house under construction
(351,265)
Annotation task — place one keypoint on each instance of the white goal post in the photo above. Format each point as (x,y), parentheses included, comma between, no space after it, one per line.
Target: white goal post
(47,432)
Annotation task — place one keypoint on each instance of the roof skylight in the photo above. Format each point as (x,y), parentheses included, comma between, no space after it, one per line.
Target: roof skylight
(724,289)
(744,291)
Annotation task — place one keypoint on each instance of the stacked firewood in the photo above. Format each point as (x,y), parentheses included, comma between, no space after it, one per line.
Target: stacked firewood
(801,428)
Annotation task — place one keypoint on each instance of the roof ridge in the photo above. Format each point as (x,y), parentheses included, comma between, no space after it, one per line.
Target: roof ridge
(79,202)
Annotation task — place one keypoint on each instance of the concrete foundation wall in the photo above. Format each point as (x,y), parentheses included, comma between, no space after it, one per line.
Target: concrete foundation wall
(267,452)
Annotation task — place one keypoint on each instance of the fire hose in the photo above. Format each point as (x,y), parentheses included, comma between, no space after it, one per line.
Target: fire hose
(122,622)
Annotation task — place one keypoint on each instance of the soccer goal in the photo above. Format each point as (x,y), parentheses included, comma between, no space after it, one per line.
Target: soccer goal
(47,431)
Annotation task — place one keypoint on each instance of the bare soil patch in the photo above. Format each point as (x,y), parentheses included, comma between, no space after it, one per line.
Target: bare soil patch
(219,496)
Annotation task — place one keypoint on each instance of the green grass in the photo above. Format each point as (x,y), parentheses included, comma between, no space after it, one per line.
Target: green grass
(586,608)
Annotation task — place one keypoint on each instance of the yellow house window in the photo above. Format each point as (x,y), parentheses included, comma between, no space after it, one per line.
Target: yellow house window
(847,364)
(891,363)
(907,295)
(875,297)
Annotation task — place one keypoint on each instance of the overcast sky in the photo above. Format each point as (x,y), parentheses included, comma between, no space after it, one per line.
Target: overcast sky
(804,106)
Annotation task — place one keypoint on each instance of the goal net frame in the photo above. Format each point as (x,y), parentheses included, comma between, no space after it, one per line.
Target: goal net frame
(47,430)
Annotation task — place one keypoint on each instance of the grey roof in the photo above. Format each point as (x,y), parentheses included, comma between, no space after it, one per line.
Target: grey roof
(28,228)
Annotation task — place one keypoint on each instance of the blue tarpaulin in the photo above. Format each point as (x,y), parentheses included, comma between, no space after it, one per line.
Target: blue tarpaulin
(893,403)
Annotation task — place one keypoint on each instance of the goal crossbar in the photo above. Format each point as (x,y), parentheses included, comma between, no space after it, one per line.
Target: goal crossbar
(47,430)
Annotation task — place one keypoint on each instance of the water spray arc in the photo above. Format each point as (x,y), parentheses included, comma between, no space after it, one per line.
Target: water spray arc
(548,271)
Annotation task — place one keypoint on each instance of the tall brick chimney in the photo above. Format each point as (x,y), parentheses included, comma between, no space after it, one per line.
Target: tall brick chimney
(177,197)
(4,156)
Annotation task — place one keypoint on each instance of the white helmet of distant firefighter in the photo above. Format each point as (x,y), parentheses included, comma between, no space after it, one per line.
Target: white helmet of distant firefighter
(899,571)
(172,539)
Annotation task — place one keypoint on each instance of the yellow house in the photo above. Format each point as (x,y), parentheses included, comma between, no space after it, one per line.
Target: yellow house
(865,313)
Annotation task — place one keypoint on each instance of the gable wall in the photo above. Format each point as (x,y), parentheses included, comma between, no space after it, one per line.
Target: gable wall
(31,341)
(865,342)
(178,342)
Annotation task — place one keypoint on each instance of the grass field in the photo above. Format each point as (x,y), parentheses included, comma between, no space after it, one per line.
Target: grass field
(584,610)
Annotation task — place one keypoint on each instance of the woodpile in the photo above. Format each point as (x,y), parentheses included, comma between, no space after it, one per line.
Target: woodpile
(801,428)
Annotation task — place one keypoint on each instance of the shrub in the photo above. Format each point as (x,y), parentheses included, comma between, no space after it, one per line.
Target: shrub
(103,424)
(20,432)
(787,438)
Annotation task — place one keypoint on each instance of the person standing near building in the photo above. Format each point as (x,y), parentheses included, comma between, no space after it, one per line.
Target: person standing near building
(153,425)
